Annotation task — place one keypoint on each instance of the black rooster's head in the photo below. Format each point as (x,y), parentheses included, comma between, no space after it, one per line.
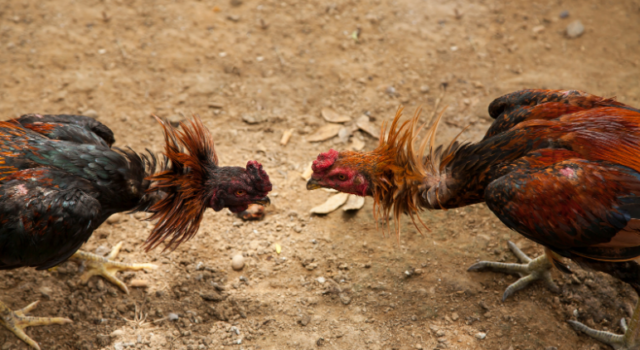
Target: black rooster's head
(236,187)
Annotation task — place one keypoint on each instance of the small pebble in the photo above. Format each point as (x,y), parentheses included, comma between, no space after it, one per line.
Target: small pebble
(114,219)
(424,89)
(103,250)
(564,14)
(173,317)
(117,333)
(345,299)
(575,29)
(481,335)
(253,118)
(454,316)
(91,113)
(321,280)
(304,320)
(537,29)
(237,262)
(390,90)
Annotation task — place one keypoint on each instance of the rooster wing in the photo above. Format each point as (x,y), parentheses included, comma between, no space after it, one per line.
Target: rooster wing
(45,216)
(511,109)
(573,206)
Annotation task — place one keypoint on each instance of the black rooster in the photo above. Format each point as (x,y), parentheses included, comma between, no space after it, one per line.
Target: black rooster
(60,179)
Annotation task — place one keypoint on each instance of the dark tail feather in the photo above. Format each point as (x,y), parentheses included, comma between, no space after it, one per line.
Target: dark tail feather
(626,271)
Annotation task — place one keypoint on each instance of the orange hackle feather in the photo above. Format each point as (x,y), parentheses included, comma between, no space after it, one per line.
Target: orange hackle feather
(400,172)
(191,153)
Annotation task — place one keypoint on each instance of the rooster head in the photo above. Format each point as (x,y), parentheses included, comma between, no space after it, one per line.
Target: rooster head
(236,187)
(346,172)
(192,181)
(395,174)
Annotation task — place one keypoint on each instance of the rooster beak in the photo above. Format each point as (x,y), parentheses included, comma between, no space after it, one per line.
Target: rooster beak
(264,201)
(313,185)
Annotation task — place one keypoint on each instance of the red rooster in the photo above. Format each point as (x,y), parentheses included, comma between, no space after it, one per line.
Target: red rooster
(561,168)
(60,179)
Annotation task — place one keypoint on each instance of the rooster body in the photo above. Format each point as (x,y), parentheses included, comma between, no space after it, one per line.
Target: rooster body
(60,180)
(55,192)
(561,168)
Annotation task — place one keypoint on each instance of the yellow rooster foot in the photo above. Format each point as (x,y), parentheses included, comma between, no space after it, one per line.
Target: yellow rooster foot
(531,270)
(626,341)
(16,321)
(102,266)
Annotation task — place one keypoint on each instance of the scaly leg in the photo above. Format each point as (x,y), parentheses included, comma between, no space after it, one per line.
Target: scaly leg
(630,340)
(102,266)
(536,269)
(16,321)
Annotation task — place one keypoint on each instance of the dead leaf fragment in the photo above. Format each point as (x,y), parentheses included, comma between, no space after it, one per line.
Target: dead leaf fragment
(365,125)
(334,202)
(286,136)
(354,203)
(306,175)
(344,134)
(333,117)
(324,133)
(357,144)
(136,283)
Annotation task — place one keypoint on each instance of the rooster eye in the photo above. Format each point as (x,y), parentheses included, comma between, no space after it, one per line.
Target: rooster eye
(240,193)
(342,177)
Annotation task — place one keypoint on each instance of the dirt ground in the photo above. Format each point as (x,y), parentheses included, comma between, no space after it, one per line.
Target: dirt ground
(254,69)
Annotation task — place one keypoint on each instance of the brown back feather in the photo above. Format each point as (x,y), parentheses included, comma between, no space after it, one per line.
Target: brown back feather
(192,156)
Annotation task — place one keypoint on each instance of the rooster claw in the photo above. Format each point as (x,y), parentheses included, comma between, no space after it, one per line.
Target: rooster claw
(531,270)
(102,266)
(616,341)
(17,321)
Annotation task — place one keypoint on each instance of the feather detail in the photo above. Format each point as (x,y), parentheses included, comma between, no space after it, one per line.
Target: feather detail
(192,156)
(406,171)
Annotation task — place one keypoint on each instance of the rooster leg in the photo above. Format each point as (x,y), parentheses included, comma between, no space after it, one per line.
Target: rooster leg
(531,270)
(630,340)
(103,266)
(16,322)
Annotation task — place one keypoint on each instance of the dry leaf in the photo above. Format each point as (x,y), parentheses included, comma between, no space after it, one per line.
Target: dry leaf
(357,144)
(365,125)
(332,116)
(324,133)
(286,136)
(136,283)
(354,203)
(344,134)
(306,175)
(334,202)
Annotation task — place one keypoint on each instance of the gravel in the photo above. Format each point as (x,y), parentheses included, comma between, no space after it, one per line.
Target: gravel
(237,262)
(575,29)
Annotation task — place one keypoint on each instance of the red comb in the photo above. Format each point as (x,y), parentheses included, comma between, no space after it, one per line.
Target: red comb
(325,161)
(258,176)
